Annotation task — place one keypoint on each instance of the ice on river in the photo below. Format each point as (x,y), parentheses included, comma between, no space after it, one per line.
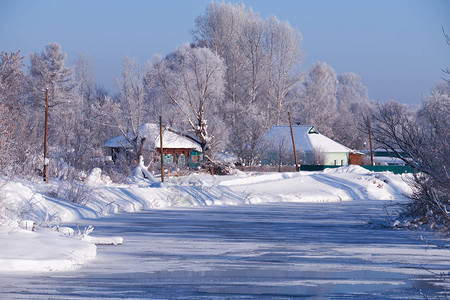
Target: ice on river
(276,250)
(247,234)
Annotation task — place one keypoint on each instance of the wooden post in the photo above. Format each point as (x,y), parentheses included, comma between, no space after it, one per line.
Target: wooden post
(161,148)
(293,144)
(45,139)
(370,141)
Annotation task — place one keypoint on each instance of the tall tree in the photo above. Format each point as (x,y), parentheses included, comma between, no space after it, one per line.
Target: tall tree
(352,104)
(131,91)
(192,78)
(283,47)
(318,98)
(13,121)
(447,39)
(85,77)
(425,138)
(262,59)
(221,28)
(48,70)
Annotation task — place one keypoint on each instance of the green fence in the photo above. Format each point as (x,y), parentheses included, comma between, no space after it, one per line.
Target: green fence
(393,169)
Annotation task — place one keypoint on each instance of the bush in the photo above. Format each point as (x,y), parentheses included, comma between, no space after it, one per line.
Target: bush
(425,137)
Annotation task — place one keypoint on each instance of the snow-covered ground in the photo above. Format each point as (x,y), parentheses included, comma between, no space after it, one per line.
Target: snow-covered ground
(214,236)
(48,250)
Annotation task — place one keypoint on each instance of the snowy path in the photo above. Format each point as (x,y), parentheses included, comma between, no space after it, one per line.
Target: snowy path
(353,191)
(279,250)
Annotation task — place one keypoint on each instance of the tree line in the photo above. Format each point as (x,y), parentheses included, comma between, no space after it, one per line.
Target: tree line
(240,75)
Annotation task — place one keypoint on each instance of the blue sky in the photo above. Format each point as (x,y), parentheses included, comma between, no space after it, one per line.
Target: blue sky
(397,47)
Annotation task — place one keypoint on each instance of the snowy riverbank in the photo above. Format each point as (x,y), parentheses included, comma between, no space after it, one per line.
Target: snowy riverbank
(47,250)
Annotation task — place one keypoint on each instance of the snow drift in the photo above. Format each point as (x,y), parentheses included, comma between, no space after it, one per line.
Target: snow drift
(38,202)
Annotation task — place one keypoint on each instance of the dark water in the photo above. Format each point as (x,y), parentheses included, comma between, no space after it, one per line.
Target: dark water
(275,251)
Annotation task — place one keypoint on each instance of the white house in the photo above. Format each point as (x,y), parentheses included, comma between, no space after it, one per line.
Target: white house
(311,146)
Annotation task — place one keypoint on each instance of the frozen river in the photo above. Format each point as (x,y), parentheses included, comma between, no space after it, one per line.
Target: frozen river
(283,250)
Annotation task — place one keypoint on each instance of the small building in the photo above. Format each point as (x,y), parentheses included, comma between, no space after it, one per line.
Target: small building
(355,158)
(312,147)
(177,148)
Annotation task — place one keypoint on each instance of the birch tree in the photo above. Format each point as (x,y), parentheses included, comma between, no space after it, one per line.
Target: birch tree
(192,78)
(352,104)
(262,58)
(318,98)
(13,121)
(283,47)
(221,28)
(131,90)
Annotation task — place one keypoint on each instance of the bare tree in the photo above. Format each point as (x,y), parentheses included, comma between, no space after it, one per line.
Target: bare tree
(246,140)
(131,91)
(262,59)
(318,99)
(13,121)
(352,104)
(85,77)
(192,78)
(283,47)
(447,39)
(221,28)
(48,70)
(425,139)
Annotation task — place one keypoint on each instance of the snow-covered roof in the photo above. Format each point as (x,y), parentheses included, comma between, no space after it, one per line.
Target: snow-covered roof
(306,137)
(151,133)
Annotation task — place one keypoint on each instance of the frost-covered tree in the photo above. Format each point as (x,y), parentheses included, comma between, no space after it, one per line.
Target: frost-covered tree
(352,104)
(246,139)
(425,137)
(85,77)
(96,112)
(221,28)
(254,59)
(447,39)
(48,70)
(262,58)
(283,47)
(13,121)
(11,78)
(131,89)
(317,104)
(192,79)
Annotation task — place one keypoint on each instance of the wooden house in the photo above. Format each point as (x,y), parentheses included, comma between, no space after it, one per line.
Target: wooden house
(177,148)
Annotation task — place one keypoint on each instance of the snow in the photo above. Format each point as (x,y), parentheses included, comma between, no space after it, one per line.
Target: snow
(304,141)
(117,240)
(63,250)
(95,177)
(41,251)
(151,133)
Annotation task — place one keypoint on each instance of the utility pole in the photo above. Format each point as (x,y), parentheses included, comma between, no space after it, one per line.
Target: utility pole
(45,139)
(293,144)
(161,148)
(370,141)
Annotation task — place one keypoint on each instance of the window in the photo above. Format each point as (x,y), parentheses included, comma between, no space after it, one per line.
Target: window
(181,160)
(313,131)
